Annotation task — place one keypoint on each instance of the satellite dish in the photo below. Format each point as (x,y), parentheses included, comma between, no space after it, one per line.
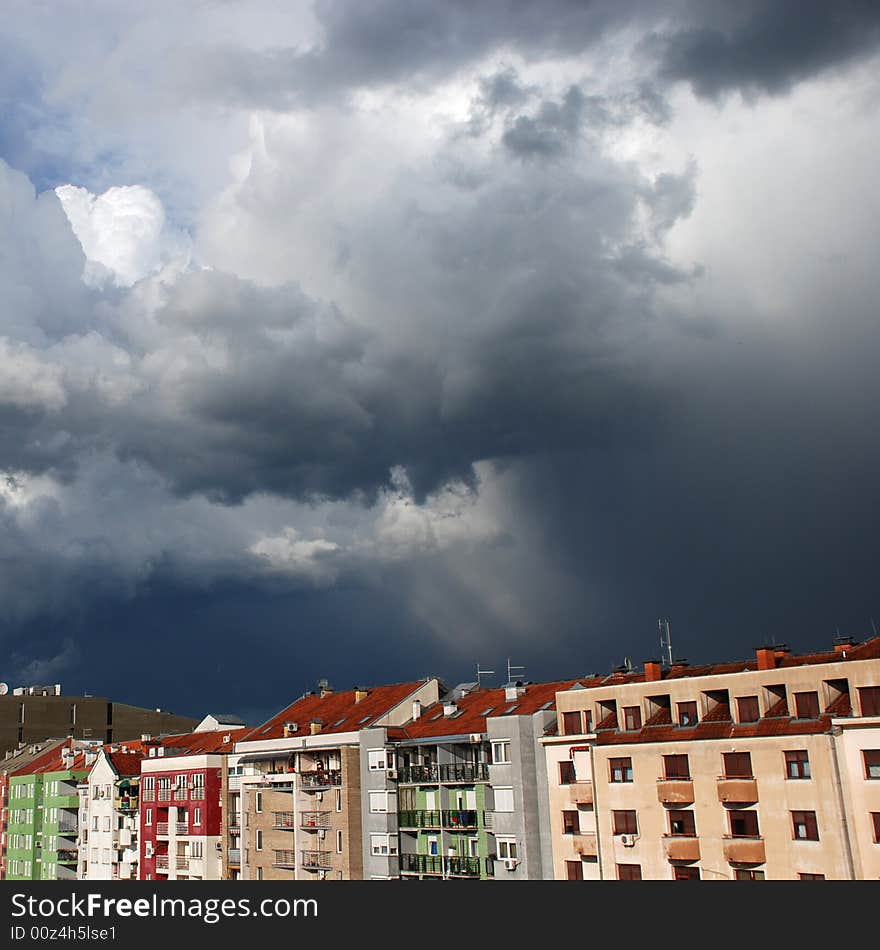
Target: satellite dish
(4,689)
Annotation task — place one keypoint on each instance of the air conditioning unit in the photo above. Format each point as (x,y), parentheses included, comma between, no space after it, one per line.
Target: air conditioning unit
(476,737)
(510,864)
(319,796)
(322,875)
(322,833)
(391,773)
(628,840)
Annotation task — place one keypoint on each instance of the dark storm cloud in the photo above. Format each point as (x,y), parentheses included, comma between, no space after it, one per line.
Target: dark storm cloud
(767,47)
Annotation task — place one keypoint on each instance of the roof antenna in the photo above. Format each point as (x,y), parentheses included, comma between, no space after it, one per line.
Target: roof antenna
(483,673)
(665,641)
(511,668)
(874,626)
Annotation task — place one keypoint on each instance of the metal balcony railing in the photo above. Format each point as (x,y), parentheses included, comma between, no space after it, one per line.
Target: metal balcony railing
(235,856)
(164,794)
(326,778)
(316,860)
(446,818)
(285,859)
(449,773)
(162,829)
(284,820)
(182,828)
(435,864)
(161,862)
(314,820)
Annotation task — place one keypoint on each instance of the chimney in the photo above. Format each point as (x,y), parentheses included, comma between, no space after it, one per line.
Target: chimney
(449,707)
(653,671)
(324,688)
(315,726)
(766,657)
(842,644)
(360,693)
(678,664)
(513,691)
(416,708)
(290,728)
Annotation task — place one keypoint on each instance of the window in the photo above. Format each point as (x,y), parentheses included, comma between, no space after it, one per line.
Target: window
(621,770)
(744,824)
(378,802)
(195,849)
(588,715)
(339,799)
(676,766)
(148,820)
(106,823)
(687,714)
(811,877)
(797,764)
(339,842)
(685,874)
(148,786)
(504,799)
(875,820)
(95,823)
(806,705)
(804,825)
(872,763)
(378,760)
(737,764)
(574,871)
(632,718)
(501,752)
(258,802)
(869,700)
(741,874)
(625,822)
(571,723)
(386,845)
(629,872)
(571,824)
(506,848)
(197,816)
(258,836)
(682,823)
(198,785)
(566,773)
(747,708)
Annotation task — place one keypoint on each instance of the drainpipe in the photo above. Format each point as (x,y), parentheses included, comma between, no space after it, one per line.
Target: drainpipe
(595,805)
(841,802)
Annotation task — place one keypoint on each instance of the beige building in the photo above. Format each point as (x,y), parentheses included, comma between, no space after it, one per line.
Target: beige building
(293,788)
(744,771)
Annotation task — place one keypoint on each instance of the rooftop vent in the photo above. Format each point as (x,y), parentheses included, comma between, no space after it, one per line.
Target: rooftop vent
(449,707)
(416,709)
(290,728)
(513,691)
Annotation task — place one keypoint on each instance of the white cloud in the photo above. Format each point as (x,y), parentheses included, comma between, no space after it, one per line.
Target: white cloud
(123,232)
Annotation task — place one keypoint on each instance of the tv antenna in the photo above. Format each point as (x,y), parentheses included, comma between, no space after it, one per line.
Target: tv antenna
(483,673)
(511,667)
(665,641)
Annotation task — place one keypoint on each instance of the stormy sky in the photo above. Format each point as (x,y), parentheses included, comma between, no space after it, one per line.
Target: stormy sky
(375,340)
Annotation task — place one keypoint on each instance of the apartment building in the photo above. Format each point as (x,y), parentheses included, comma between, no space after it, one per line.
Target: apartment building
(13,763)
(180,817)
(763,769)
(33,714)
(294,786)
(472,792)
(43,829)
(108,831)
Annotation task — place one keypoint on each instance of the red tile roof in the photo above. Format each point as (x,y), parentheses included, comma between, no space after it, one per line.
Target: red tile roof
(479,705)
(126,763)
(338,711)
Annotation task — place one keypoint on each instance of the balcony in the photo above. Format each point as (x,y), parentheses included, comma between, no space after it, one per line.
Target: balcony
(315,820)
(283,820)
(162,863)
(235,824)
(433,864)
(67,857)
(737,791)
(585,844)
(180,794)
(235,857)
(319,779)
(67,827)
(681,848)
(162,829)
(675,791)
(181,828)
(181,863)
(453,819)
(234,783)
(284,859)
(164,795)
(580,793)
(126,803)
(419,819)
(316,860)
(450,774)
(744,850)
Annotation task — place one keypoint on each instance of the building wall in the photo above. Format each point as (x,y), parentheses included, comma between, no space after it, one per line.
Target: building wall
(861,793)
(578,851)
(379,866)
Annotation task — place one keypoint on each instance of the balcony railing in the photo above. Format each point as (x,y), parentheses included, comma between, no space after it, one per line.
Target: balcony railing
(182,827)
(449,773)
(126,803)
(162,829)
(285,859)
(234,783)
(737,790)
(161,862)
(67,827)
(180,793)
(314,820)
(453,818)
(316,860)
(434,864)
(743,850)
(164,794)
(234,824)
(197,793)
(284,820)
(235,856)
(181,863)
(325,778)
(67,857)
(675,791)
(681,847)
(580,793)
